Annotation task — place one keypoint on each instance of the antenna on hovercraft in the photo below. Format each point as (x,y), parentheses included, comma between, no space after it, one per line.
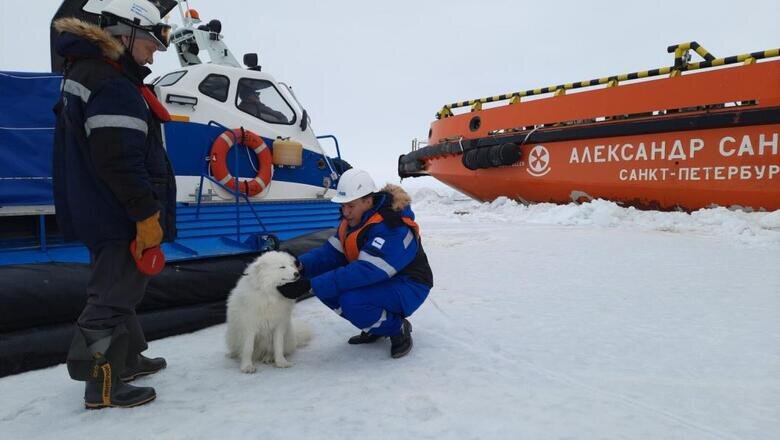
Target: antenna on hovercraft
(190,41)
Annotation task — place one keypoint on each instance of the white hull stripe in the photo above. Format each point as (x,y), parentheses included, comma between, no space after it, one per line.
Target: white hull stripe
(228,139)
(30,77)
(378,262)
(77,89)
(408,239)
(382,319)
(338,311)
(115,121)
(259,149)
(336,243)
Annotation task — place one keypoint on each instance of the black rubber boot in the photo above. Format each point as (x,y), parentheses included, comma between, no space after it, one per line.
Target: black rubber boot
(363,338)
(93,357)
(143,366)
(401,344)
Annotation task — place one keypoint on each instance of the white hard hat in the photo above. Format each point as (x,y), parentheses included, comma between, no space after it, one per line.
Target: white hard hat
(353,184)
(122,17)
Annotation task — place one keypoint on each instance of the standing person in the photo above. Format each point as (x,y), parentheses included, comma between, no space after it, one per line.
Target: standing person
(113,184)
(374,271)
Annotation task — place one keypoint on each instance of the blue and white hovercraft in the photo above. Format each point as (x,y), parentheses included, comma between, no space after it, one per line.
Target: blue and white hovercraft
(251,173)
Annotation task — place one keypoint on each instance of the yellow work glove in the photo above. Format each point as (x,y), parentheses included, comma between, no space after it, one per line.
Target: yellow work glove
(148,234)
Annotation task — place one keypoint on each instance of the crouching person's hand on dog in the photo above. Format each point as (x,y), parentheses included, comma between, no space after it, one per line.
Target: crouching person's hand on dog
(295,289)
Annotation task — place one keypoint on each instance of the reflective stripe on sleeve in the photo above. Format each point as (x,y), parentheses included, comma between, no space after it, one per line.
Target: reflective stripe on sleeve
(336,243)
(115,121)
(408,239)
(76,88)
(378,262)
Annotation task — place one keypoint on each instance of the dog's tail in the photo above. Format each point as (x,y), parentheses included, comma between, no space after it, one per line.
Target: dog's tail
(302,334)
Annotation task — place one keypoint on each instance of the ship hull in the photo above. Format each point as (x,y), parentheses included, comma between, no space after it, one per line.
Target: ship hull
(734,166)
(687,142)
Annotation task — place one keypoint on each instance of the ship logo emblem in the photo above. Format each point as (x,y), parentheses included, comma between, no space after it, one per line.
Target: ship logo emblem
(538,161)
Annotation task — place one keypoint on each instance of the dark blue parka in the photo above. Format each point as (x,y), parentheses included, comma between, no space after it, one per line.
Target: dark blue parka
(110,168)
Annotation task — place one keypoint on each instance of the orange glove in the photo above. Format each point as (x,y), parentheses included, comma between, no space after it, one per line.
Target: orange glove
(148,234)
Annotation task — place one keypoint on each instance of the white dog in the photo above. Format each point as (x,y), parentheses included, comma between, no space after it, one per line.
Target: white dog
(259,318)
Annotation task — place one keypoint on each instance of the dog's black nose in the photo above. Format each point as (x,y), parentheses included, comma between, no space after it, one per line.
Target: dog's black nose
(297,275)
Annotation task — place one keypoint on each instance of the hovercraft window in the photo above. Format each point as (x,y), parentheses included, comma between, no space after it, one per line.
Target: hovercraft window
(261,99)
(215,86)
(170,79)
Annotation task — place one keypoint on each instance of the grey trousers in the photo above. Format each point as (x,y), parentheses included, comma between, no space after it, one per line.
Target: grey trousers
(115,289)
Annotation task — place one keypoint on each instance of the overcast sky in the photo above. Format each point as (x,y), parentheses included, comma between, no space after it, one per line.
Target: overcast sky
(375,73)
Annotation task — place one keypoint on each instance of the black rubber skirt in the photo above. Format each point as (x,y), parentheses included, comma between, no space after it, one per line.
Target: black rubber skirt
(39,303)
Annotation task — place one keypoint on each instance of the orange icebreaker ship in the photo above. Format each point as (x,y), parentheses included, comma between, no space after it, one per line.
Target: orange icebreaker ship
(689,136)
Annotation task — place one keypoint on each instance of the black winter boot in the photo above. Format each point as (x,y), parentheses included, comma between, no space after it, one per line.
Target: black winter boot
(401,344)
(143,366)
(363,338)
(93,357)
(138,365)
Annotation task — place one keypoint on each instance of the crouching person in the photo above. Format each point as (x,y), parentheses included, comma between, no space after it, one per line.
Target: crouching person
(373,272)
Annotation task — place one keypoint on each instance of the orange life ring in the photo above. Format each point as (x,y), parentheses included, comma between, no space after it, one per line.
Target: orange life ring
(219,167)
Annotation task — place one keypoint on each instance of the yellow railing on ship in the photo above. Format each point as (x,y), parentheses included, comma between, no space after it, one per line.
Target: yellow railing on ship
(681,64)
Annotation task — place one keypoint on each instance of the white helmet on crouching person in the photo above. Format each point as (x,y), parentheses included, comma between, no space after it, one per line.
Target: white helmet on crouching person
(136,19)
(353,184)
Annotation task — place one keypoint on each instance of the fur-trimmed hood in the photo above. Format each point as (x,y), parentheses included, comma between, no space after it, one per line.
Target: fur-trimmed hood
(398,198)
(103,42)
(393,203)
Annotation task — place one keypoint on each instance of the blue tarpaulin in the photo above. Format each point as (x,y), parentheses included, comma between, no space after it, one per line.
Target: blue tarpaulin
(26,136)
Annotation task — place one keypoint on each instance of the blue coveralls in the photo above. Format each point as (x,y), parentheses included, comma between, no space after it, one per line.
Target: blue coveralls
(387,282)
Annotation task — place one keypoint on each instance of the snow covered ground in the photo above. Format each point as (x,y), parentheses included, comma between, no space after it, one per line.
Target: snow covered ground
(546,322)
